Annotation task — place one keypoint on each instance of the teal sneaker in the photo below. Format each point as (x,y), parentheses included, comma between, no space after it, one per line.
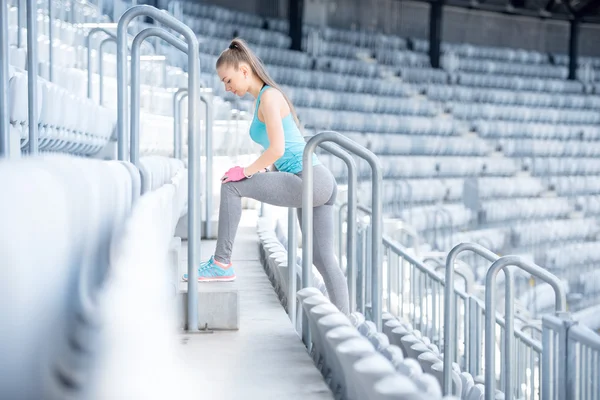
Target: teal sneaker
(210,271)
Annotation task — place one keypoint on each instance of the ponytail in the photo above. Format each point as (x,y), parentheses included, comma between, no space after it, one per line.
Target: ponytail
(239,52)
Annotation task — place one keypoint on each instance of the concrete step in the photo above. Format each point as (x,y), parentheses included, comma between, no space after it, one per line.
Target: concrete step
(218,302)
(218,305)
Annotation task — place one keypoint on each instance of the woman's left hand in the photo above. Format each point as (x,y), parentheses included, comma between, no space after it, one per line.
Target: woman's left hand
(234,174)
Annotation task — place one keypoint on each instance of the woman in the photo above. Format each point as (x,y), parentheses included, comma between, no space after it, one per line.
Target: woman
(275,127)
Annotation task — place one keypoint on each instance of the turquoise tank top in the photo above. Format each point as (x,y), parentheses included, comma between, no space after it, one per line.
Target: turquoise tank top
(291,161)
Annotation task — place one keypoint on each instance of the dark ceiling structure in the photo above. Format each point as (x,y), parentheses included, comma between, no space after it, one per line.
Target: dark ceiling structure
(584,10)
(574,12)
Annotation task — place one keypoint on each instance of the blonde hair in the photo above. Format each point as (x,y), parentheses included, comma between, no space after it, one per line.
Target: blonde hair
(239,52)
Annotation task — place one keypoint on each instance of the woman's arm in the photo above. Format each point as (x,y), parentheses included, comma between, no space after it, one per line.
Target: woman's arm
(271,104)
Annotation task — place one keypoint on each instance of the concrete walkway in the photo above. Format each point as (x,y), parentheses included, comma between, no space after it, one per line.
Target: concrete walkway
(265,359)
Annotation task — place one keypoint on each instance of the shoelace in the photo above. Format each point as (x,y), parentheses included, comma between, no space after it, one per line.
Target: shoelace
(209,264)
(206,265)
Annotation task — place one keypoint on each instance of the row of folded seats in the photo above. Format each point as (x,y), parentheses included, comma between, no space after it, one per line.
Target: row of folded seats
(86,224)
(475,111)
(518,83)
(70,64)
(504,54)
(425,217)
(511,69)
(366,103)
(465,94)
(574,254)
(67,32)
(416,145)
(548,148)
(589,205)
(486,52)
(545,166)
(315,118)
(225,30)
(427,167)
(66,123)
(538,233)
(435,190)
(569,185)
(221,14)
(358,362)
(519,130)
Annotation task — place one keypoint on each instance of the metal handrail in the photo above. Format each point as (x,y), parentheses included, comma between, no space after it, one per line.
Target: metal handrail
(4,116)
(450,308)
(206,96)
(490,305)
(340,221)
(50,49)
(19,25)
(178,97)
(376,219)
(88,43)
(134,151)
(583,350)
(32,76)
(291,254)
(442,266)
(194,165)
(531,327)
(113,39)
(410,232)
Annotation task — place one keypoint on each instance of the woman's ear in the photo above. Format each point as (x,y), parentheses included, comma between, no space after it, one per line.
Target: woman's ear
(245,70)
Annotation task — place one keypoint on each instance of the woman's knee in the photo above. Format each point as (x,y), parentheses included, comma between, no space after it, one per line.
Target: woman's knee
(229,189)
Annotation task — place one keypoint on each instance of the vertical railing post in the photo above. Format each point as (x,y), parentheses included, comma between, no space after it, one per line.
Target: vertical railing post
(19,25)
(4,117)
(340,229)
(206,96)
(360,269)
(177,134)
(194,164)
(292,245)
(101,67)
(32,76)
(88,43)
(490,315)
(135,82)
(51,49)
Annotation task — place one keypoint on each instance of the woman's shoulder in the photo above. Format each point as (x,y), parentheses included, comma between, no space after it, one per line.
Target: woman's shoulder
(273,100)
(271,95)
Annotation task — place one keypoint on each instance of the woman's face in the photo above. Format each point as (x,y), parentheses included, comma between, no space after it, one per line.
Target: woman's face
(235,81)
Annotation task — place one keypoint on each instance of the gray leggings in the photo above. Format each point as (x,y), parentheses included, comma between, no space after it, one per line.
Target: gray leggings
(284,189)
